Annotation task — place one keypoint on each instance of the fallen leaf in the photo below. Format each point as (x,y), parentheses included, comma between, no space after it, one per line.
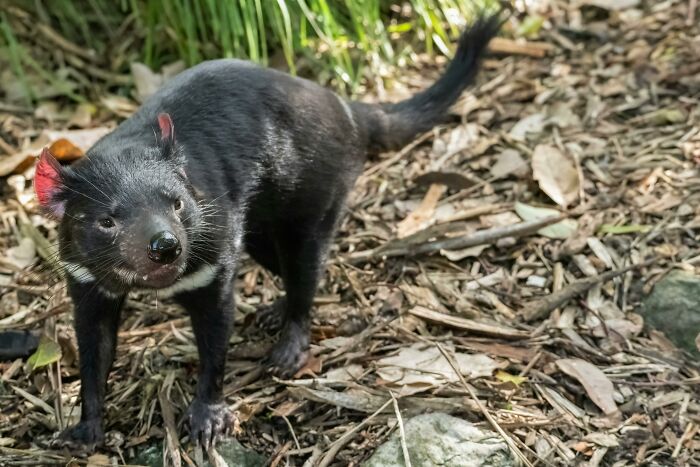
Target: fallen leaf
(506,377)
(18,162)
(415,369)
(82,117)
(563,116)
(147,82)
(509,162)
(98,460)
(561,230)
(556,174)
(342,374)
(597,385)
(81,139)
(23,254)
(421,217)
(312,367)
(531,124)
(530,26)
(119,105)
(458,255)
(612,4)
(65,151)
(623,229)
(453,180)
(47,353)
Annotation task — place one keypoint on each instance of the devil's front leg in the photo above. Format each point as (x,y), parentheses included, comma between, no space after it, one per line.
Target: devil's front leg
(96,320)
(211,311)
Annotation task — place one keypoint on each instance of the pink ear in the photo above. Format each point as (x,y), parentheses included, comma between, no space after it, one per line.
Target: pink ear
(167,130)
(47,183)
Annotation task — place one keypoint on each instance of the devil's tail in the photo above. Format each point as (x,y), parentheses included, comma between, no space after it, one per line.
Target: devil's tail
(392,126)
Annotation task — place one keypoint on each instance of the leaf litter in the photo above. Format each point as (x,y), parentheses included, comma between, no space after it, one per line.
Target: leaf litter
(591,123)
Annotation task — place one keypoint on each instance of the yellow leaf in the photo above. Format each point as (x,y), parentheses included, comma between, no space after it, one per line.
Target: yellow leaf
(506,377)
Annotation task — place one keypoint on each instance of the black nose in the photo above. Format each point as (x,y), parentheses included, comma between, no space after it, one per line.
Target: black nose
(164,247)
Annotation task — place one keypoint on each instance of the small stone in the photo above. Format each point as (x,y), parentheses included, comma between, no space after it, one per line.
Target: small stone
(236,455)
(440,439)
(673,307)
(536,281)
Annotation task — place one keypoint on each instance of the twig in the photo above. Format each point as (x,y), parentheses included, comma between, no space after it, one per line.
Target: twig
(542,307)
(396,157)
(291,430)
(171,443)
(489,329)
(402,432)
(64,43)
(514,448)
(511,47)
(347,436)
(692,6)
(481,237)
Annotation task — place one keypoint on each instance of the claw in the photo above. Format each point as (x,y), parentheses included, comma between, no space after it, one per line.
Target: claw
(290,352)
(208,422)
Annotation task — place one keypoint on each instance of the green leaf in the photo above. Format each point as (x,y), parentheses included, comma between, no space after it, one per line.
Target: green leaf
(623,229)
(47,353)
(561,230)
(530,26)
(506,377)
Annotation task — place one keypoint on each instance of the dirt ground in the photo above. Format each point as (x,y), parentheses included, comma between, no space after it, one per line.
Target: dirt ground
(595,121)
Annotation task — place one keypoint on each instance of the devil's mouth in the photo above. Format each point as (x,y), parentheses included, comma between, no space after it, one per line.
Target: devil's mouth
(159,278)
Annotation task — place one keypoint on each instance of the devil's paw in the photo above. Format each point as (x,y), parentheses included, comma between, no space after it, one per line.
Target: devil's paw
(85,433)
(208,422)
(289,354)
(270,318)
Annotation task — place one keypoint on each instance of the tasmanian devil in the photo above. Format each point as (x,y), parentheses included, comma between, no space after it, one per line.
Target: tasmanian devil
(226,157)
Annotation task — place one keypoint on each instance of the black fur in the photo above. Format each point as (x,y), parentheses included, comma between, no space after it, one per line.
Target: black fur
(257,160)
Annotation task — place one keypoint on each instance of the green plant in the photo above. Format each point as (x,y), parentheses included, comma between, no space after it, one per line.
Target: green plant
(335,39)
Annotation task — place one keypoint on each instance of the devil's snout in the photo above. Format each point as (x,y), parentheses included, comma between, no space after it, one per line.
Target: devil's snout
(164,247)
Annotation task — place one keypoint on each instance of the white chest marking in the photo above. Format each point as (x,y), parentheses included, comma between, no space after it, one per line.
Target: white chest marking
(78,272)
(196,280)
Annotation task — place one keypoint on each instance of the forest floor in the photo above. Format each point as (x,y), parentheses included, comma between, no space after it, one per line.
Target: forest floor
(598,118)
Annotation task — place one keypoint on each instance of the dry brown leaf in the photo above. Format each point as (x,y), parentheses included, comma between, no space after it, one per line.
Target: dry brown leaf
(422,216)
(532,124)
(509,162)
(416,368)
(597,385)
(556,174)
(65,151)
(82,139)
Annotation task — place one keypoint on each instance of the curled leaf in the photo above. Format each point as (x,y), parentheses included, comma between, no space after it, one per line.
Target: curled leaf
(47,353)
(556,174)
(561,230)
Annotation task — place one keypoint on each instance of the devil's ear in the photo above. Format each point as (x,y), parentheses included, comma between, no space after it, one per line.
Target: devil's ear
(167,131)
(48,184)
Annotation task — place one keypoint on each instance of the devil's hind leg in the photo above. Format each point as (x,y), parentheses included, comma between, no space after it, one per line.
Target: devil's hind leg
(301,248)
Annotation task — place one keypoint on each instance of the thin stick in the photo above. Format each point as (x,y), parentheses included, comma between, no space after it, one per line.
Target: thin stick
(402,433)
(511,444)
(396,157)
(477,238)
(291,429)
(347,436)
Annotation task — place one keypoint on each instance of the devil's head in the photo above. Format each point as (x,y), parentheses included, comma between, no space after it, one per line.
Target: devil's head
(129,216)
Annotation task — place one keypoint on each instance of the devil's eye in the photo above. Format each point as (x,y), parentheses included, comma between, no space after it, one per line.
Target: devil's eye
(106,222)
(178,205)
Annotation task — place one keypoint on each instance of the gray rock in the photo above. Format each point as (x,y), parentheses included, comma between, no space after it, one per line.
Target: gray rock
(442,440)
(673,307)
(235,455)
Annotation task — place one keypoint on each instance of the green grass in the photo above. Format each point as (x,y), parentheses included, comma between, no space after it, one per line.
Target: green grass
(342,41)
